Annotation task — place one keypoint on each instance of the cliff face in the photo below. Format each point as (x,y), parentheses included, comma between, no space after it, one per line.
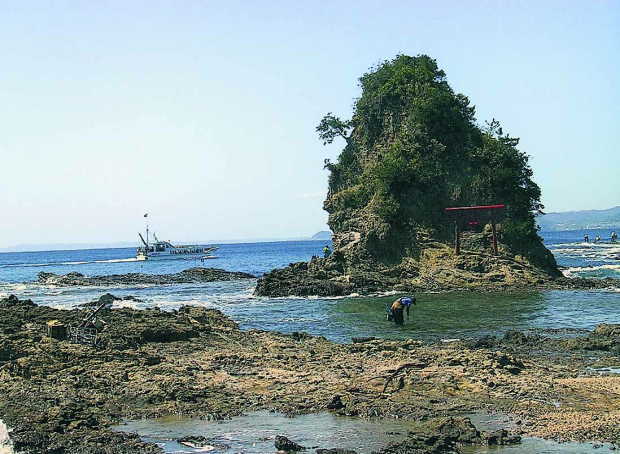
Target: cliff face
(413,148)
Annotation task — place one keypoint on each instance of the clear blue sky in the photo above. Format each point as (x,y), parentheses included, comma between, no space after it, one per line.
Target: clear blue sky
(203,112)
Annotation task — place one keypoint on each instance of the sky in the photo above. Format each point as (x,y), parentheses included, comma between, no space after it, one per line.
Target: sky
(202,113)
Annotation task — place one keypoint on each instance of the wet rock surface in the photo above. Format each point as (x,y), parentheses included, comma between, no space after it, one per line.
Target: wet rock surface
(437,269)
(282,443)
(108,299)
(187,276)
(61,397)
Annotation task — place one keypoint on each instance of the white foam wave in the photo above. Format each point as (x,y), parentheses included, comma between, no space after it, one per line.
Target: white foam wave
(163,304)
(350,295)
(576,270)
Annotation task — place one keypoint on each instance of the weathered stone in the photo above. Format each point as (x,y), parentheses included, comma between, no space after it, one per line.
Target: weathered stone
(284,444)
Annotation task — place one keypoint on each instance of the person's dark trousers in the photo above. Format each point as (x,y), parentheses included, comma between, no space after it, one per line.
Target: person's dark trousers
(399,319)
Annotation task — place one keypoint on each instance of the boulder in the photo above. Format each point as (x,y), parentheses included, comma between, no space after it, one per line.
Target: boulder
(500,437)
(284,444)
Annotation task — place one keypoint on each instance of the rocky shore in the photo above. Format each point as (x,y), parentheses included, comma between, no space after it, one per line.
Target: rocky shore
(62,397)
(437,269)
(187,276)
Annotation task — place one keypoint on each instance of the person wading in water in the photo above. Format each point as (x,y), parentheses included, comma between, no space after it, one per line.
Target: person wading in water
(398,307)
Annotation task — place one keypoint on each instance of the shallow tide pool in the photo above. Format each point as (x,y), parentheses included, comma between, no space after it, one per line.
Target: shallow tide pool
(255,434)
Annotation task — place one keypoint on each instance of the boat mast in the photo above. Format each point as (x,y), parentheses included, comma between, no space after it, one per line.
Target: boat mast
(146,216)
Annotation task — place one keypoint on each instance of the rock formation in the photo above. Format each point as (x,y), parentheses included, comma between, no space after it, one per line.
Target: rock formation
(412,148)
(186,276)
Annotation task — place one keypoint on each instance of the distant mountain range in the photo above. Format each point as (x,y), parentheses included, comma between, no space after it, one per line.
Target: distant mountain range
(322,235)
(578,220)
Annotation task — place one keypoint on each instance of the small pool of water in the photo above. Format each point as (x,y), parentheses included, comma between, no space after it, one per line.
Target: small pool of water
(256,432)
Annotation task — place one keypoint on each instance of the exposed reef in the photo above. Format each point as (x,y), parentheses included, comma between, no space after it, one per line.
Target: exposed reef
(61,397)
(187,276)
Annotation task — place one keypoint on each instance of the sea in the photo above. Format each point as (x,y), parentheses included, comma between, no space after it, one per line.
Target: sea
(438,316)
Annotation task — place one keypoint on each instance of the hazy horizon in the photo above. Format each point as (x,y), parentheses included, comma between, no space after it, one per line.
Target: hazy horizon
(33,247)
(203,113)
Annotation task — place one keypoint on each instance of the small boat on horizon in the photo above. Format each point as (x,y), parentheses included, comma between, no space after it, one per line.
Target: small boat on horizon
(159,249)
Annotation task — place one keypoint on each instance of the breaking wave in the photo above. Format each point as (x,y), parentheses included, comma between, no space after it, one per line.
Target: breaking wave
(608,270)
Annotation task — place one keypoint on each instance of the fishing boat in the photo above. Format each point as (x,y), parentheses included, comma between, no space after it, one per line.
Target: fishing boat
(158,250)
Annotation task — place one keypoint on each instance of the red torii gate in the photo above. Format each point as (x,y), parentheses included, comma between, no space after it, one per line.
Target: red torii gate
(474,215)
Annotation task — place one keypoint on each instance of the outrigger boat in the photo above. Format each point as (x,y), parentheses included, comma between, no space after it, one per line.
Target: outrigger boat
(166,250)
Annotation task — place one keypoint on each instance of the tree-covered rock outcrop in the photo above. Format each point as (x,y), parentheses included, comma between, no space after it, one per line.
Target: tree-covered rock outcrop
(412,148)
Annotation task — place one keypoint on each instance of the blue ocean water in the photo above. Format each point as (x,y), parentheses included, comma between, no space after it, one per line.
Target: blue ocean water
(253,258)
(452,315)
(587,259)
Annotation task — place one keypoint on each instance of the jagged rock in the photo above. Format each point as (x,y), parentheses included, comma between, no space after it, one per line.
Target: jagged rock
(460,430)
(284,444)
(500,437)
(12,300)
(483,342)
(187,276)
(336,403)
(607,330)
(605,337)
(516,337)
(109,300)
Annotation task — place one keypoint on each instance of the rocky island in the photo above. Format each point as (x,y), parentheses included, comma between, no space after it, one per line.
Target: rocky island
(412,148)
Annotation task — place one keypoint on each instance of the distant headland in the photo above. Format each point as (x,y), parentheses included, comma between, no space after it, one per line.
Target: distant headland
(578,220)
